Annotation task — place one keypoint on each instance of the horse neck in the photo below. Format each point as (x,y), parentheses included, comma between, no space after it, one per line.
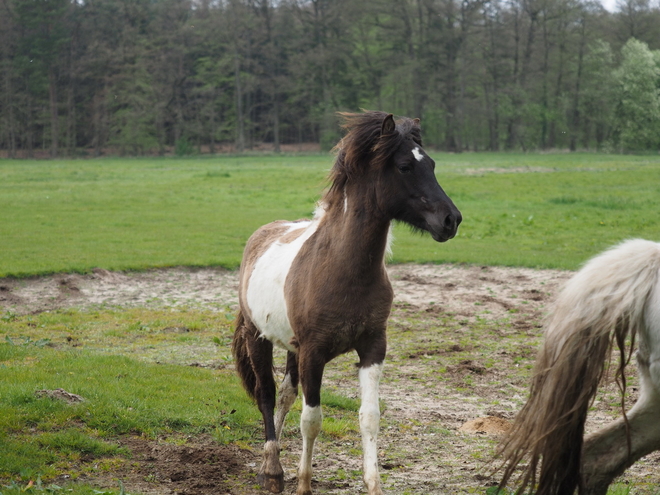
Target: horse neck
(358,235)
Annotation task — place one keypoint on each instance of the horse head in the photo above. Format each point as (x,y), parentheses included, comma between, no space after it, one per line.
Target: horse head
(386,157)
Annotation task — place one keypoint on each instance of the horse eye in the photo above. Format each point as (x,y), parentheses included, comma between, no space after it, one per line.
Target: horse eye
(404,169)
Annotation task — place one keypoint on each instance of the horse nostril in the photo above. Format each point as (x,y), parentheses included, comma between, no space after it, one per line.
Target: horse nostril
(449,221)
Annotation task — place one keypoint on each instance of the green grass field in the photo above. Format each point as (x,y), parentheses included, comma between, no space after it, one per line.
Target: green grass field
(135,379)
(130,214)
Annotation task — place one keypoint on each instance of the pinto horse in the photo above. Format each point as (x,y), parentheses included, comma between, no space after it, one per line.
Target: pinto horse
(612,300)
(318,288)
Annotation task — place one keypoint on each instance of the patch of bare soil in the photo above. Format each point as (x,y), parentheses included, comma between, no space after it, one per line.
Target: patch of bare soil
(461,289)
(198,467)
(176,287)
(458,337)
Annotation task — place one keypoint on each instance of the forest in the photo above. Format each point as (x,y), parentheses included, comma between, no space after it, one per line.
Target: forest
(135,77)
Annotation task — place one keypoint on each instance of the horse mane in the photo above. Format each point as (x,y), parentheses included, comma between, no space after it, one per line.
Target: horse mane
(365,148)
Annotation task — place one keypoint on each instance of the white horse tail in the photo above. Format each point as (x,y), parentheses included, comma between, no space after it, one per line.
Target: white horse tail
(600,307)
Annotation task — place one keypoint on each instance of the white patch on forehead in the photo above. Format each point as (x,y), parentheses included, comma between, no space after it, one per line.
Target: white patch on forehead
(416,153)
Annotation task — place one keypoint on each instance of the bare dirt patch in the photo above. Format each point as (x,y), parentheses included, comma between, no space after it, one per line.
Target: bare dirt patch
(461,289)
(462,340)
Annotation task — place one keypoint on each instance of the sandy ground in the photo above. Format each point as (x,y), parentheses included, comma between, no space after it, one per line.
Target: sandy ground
(454,288)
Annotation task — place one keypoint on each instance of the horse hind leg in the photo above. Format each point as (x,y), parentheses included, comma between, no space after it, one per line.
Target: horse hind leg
(258,380)
(287,393)
(606,453)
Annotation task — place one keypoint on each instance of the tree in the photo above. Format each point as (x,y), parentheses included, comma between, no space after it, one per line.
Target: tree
(637,113)
(596,104)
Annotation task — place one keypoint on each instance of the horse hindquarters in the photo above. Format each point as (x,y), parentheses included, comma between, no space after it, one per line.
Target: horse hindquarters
(254,364)
(603,302)
(606,453)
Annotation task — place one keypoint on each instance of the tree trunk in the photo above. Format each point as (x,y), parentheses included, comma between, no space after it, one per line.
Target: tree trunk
(575,124)
(54,124)
(212,123)
(512,121)
(276,126)
(240,123)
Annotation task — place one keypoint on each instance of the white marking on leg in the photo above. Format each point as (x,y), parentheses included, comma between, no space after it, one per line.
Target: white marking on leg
(285,399)
(310,426)
(369,423)
(265,291)
(416,153)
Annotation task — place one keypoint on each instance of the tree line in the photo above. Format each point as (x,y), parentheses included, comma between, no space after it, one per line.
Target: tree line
(152,76)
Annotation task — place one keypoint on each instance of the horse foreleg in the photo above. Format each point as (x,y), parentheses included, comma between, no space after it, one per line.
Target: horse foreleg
(287,393)
(606,455)
(311,419)
(369,424)
(271,474)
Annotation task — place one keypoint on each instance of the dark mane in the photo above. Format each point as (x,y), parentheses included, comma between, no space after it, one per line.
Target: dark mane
(364,148)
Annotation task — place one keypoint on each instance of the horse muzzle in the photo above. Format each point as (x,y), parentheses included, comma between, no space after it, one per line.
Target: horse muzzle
(443,226)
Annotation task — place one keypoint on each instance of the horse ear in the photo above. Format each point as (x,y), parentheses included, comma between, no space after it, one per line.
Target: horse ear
(416,122)
(388,126)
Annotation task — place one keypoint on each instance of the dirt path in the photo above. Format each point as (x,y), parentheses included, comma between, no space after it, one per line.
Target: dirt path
(458,338)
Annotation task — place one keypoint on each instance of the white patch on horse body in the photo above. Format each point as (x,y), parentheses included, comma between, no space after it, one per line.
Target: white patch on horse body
(265,291)
(320,209)
(650,335)
(301,224)
(390,240)
(369,423)
(418,156)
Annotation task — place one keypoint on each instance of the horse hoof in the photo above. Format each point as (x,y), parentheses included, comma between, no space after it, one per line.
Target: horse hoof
(274,483)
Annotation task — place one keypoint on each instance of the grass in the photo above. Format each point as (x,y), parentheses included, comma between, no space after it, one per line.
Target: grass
(131,214)
(153,393)
(40,487)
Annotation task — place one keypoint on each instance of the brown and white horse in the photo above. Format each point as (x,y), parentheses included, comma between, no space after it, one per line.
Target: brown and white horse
(613,299)
(318,288)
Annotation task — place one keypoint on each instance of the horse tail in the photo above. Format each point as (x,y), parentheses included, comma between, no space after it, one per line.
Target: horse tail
(243,333)
(600,307)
